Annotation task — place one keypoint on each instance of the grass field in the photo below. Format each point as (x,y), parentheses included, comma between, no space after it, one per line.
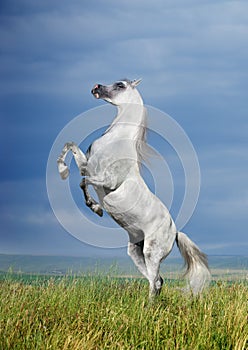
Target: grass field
(101,312)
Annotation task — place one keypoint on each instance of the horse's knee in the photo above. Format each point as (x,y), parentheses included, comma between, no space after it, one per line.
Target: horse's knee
(69,145)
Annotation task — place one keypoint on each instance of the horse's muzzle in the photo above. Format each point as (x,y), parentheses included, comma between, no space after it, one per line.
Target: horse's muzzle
(97,91)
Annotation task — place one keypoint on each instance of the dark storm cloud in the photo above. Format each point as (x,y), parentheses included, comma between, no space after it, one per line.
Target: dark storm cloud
(193,61)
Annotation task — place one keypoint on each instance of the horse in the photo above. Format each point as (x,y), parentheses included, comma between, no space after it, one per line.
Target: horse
(112,166)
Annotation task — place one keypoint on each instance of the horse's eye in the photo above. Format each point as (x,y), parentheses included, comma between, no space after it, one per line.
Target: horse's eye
(120,85)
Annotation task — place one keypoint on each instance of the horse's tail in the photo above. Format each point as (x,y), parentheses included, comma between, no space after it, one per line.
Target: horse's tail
(196,263)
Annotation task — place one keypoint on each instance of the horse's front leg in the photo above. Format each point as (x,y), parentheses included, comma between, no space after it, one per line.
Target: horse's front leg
(90,202)
(81,162)
(78,155)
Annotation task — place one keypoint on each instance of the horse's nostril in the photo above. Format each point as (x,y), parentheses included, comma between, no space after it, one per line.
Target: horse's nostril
(97,86)
(96,90)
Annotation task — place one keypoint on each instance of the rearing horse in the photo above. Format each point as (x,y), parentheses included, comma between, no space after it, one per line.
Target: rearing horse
(112,166)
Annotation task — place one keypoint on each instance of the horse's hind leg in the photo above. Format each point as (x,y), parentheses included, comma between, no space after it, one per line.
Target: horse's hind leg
(155,250)
(147,261)
(135,251)
(155,280)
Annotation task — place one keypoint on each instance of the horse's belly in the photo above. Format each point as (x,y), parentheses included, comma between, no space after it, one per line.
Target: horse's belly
(135,208)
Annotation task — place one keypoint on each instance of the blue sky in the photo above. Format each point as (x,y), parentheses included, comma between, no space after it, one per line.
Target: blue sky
(192,57)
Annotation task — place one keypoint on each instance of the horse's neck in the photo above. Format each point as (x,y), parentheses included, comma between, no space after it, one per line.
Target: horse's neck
(129,120)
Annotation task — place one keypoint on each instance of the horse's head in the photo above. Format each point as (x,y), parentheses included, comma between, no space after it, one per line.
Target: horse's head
(120,92)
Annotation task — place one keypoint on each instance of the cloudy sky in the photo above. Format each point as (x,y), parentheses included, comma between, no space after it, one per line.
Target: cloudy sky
(192,57)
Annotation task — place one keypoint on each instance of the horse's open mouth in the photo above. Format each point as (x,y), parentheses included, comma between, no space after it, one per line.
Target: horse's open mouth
(96,91)
(96,95)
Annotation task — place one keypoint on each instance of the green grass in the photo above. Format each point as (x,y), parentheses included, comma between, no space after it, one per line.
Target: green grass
(114,313)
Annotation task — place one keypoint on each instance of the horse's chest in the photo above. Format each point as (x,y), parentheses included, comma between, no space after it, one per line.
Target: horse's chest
(110,155)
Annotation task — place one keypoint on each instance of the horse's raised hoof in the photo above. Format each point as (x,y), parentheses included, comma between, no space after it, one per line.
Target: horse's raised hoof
(63,170)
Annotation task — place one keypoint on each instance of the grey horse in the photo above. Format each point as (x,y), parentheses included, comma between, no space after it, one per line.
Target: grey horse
(112,166)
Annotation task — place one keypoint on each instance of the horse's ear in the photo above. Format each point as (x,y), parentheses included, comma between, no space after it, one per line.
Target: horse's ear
(135,82)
